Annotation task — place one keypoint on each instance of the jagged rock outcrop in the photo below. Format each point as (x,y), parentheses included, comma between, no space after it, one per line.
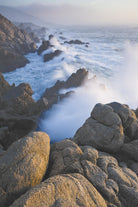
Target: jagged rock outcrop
(14,44)
(77,79)
(23,166)
(62,190)
(50,56)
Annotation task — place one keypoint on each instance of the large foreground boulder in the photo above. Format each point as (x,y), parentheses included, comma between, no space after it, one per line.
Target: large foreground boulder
(23,166)
(62,190)
(103,130)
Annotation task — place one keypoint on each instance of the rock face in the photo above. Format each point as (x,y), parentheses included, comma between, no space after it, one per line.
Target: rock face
(17,111)
(77,79)
(23,166)
(102,130)
(50,56)
(14,43)
(62,190)
(101,169)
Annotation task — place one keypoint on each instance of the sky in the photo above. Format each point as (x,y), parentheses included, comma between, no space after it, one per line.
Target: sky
(80,11)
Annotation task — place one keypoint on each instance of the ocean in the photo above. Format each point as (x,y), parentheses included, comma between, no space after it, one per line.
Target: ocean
(111,53)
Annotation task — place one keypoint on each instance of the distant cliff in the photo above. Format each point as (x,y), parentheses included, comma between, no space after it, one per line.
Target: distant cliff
(14,44)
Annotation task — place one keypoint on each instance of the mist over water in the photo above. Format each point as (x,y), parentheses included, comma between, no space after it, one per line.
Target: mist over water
(127,78)
(112,56)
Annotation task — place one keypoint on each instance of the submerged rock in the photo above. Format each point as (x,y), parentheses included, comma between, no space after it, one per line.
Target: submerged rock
(62,190)
(23,166)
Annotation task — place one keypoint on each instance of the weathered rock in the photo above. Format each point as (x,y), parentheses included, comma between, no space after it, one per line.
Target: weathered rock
(62,190)
(127,181)
(89,154)
(102,130)
(107,187)
(129,119)
(63,156)
(67,157)
(131,149)
(24,165)
(44,46)
(14,43)
(50,56)
(129,196)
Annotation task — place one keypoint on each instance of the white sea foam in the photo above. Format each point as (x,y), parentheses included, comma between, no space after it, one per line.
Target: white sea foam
(115,65)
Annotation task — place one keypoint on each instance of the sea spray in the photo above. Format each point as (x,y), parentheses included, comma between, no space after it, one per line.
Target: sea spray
(126,80)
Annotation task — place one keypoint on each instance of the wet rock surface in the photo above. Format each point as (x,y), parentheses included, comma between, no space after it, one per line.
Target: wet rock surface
(23,166)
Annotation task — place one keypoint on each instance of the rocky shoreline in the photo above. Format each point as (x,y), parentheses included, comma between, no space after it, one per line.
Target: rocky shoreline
(98,167)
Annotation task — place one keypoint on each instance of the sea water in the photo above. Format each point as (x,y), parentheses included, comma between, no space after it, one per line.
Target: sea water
(111,55)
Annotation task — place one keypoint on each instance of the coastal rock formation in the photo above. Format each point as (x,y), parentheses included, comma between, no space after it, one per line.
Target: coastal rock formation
(14,44)
(23,166)
(17,111)
(103,130)
(44,46)
(52,94)
(50,56)
(62,190)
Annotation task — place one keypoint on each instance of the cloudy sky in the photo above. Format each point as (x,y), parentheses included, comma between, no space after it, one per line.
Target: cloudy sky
(80,11)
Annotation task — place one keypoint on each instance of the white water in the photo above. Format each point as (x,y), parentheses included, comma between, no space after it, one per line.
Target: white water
(112,55)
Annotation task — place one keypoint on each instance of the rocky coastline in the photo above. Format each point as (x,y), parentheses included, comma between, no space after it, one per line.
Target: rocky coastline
(97,167)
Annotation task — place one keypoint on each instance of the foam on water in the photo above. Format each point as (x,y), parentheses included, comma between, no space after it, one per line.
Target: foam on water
(114,61)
